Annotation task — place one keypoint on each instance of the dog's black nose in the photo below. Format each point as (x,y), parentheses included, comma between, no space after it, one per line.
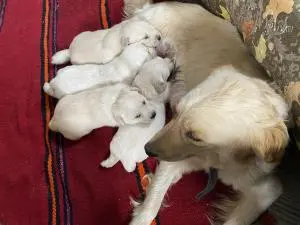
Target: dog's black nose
(153,115)
(158,37)
(148,151)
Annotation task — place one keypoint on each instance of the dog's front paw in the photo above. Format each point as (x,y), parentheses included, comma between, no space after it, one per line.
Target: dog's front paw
(108,163)
(140,220)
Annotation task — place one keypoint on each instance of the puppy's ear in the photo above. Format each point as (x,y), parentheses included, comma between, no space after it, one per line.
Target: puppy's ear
(117,115)
(125,41)
(270,144)
(160,86)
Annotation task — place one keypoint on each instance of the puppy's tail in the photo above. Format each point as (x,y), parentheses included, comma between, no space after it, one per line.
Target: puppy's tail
(61,57)
(48,89)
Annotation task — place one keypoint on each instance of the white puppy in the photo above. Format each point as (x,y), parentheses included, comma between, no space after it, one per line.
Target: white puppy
(102,46)
(152,77)
(128,143)
(75,78)
(116,105)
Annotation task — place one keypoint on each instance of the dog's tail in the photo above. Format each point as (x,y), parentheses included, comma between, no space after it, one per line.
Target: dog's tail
(61,57)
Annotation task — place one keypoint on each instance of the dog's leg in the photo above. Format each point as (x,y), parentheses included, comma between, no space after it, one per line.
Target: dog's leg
(254,201)
(130,6)
(110,161)
(166,174)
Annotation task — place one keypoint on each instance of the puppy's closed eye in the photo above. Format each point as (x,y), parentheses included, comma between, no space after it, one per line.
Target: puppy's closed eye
(193,136)
(146,36)
(138,116)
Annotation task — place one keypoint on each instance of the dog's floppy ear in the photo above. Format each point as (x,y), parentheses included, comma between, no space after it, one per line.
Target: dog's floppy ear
(270,143)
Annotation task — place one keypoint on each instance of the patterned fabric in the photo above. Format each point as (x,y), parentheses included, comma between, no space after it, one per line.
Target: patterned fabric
(271,31)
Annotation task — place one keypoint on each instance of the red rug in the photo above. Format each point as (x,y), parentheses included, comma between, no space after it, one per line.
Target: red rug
(45,179)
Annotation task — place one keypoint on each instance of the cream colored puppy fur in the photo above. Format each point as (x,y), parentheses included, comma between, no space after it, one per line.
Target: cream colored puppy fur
(116,105)
(152,77)
(128,143)
(127,146)
(75,78)
(102,46)
(204,42)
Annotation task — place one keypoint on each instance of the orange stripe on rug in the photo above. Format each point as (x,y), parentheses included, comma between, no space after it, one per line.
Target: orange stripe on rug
(144,181)
(48,114)
(103,14)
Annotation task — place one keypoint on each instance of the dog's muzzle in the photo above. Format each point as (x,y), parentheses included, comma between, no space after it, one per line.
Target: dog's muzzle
(149,152)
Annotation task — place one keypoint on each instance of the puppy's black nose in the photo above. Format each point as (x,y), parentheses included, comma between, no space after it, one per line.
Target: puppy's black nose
(158,37)
(153,115)
(148,151)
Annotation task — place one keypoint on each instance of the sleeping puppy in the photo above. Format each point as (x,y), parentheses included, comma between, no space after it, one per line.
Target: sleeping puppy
(75,78)
(152,78)
(102,46)
(77,115)
(230,122)
(127,146)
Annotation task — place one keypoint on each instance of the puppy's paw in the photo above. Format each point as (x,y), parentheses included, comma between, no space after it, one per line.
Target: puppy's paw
(48,89)
(61,57)
(129,167)
(108,163)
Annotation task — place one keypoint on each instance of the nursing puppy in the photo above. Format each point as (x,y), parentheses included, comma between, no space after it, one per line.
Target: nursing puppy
(230,122)
(75,78)
(102,46)
(152,78)
(127,146)
(128,143)
(77,115)
(201,41)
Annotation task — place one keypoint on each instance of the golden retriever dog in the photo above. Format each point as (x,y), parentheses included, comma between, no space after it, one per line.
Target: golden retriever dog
(226,117)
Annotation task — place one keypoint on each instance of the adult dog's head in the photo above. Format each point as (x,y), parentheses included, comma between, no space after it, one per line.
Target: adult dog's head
(228,114)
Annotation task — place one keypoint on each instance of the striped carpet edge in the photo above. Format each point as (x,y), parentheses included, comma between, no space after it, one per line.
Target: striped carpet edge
(55,163)
(50,175)
(61,163)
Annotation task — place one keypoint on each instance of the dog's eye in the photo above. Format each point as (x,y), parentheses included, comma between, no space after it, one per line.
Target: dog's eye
(191,135)
(147,36)
(138,116)
(144,102)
